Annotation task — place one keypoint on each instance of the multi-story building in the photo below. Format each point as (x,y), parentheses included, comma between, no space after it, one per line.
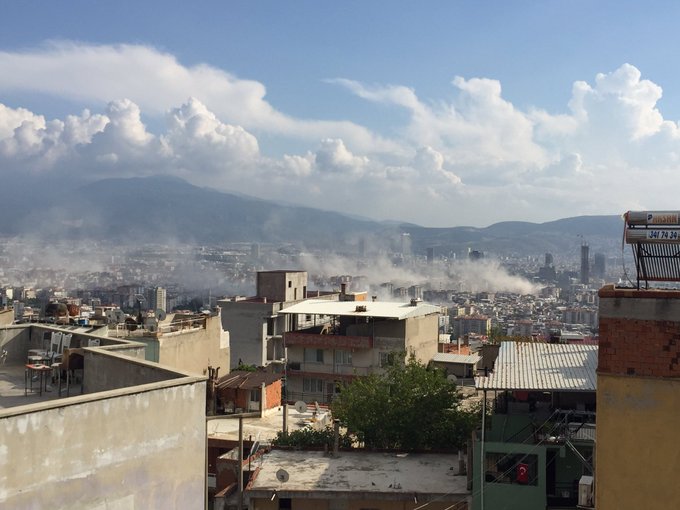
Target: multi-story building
(585,264)
(255,325)
(599,267)
(159,299)
(464,325)
(333,341)
(537,443)
(587,316)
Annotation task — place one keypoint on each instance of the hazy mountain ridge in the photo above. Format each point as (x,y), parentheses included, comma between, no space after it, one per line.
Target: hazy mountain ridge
(162,209)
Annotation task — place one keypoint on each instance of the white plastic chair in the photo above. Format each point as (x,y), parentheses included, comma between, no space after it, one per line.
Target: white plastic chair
(55,346)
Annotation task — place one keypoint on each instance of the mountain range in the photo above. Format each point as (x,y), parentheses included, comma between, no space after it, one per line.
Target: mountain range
(168,209)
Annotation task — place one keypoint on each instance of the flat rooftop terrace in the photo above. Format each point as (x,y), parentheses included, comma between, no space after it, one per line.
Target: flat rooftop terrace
(15,386)
(362,474)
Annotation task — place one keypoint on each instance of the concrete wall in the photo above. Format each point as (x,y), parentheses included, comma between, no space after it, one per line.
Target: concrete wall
(111,450)
(247,325)
(282,285)
(18,339)
(104,372)
(422,336)
(6,317)
(192,350)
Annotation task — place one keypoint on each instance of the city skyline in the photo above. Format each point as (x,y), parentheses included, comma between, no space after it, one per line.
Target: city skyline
(431,114)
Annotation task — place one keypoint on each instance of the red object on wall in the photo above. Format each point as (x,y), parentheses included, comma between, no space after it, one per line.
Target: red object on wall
(523,473)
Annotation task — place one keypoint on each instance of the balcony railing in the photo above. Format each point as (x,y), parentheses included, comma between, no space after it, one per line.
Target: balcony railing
(328,341)
(321,368)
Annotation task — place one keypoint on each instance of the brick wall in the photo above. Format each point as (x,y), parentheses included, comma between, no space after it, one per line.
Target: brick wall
(273,392)
(639,332)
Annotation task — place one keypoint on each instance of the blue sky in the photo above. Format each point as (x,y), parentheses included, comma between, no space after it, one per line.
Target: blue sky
(431,112)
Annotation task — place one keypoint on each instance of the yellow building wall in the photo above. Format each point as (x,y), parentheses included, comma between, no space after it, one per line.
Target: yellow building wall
(638,443)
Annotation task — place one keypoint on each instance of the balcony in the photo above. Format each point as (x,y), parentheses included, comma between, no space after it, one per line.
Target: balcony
(296,368)
(327,341)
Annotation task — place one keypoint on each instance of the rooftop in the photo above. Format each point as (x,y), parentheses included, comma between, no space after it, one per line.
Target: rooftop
(533,366)
(387,310)
(446,357)
(246,380)
(361,475)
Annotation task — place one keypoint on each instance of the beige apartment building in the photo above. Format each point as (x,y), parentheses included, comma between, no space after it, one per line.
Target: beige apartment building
(331,342)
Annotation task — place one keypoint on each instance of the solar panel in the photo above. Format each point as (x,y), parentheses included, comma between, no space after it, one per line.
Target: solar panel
(654,237)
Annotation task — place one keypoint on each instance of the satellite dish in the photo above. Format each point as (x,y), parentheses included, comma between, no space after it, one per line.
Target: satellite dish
(282,475)
(119,315)
(452,378)
(300,407)
(130,324)
(160,314)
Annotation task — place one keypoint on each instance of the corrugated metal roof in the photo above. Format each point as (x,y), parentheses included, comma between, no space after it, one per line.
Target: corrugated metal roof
(246,380)
(373,309)
(448,357)
(541,366)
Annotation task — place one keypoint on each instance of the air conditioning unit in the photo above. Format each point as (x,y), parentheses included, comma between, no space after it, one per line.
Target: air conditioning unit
(585,492)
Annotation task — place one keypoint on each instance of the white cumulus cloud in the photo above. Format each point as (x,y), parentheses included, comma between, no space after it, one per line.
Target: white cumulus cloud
(473,159)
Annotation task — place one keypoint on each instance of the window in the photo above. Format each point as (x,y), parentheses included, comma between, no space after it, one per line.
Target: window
(387,358)
(255,395)
(511,468)
(290,284)
(310,385)
(343,357)
(313,355)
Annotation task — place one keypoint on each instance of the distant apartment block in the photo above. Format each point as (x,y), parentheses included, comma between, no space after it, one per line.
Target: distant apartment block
(159,299)
(255,325)
(464,325)
(587,316)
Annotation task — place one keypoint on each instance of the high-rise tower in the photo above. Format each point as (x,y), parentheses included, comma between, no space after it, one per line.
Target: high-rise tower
(585,264)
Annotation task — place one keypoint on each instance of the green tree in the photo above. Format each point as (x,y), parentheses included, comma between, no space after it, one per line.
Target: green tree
(409,407)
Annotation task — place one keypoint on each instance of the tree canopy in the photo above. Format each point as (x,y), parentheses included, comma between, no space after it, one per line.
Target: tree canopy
(409,407)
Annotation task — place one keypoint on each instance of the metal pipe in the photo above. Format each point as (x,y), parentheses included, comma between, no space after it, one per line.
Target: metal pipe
(481,455)
(240,463)
(285,418)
